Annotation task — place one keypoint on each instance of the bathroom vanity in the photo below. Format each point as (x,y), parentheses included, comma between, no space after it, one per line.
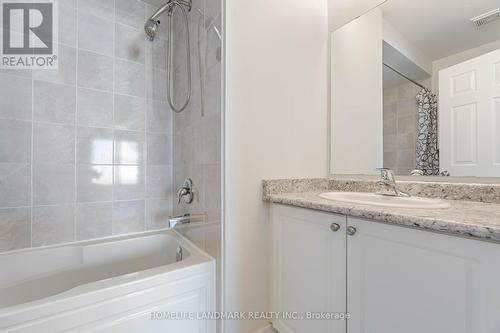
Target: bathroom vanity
(390,270)
(415,89)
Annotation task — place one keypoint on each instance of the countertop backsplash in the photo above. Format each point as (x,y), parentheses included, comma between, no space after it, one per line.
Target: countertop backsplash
(479,192)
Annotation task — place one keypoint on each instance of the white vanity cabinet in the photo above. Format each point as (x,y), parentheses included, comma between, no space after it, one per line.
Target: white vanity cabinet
(396,279)
(308,268)
(413,281)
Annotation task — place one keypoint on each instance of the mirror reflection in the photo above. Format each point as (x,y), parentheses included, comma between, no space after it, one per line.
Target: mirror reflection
(416,88)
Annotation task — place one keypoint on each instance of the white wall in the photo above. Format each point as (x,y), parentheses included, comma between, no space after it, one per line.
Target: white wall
(275,127)
(356,90)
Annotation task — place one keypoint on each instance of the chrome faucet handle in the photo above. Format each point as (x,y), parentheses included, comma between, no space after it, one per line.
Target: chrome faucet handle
(181,193)
(387,175)
(186,192)
(388,180)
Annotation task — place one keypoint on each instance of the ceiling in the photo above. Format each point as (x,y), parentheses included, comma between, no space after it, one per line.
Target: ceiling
(440,28)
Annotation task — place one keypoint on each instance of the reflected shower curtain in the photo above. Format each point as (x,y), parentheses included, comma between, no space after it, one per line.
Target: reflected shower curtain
(427,136)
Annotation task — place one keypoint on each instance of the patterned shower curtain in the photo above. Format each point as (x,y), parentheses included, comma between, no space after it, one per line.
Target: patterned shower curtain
(427,140)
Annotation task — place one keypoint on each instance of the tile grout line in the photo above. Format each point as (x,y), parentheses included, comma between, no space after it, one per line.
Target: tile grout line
(113,124)
(83,202)
(79,87)
(32,155)
(43,122)
(147,75)
(75,209)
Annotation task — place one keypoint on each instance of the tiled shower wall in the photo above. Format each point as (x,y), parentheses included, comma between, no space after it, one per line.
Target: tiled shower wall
(400,127)
(197,130)
(86,150)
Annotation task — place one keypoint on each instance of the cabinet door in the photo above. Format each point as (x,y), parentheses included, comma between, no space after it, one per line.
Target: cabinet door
(413,281)
(308,268)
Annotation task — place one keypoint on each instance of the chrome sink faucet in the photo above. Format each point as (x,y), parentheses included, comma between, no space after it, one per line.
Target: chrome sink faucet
(388,182)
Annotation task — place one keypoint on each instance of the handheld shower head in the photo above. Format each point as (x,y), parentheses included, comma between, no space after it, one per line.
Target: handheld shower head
(151,28)
(151,25)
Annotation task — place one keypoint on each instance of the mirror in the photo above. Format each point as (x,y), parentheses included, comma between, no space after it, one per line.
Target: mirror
(416,88)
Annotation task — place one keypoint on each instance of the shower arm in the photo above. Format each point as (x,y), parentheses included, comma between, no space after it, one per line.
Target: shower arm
(168,7)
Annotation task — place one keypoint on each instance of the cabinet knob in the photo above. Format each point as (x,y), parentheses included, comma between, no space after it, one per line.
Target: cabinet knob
(335,227)
(351,230)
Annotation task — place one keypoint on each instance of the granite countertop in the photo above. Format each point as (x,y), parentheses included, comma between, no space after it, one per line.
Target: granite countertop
(472,219)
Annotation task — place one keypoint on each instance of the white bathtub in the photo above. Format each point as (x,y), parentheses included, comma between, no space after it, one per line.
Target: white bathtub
(117,284)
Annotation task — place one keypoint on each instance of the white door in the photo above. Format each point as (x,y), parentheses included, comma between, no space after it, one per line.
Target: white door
(309,269)
(413,281)
(469,117)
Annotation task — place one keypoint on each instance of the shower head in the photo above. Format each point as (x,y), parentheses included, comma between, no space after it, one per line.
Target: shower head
(152,24)
(151,28)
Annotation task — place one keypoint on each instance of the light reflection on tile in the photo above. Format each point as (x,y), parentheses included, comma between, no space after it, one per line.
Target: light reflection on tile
(94,146)
(129,148)
(127,175)
(94,183)
(129,182)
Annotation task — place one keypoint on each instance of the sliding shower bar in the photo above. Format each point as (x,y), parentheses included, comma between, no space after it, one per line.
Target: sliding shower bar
(406,77)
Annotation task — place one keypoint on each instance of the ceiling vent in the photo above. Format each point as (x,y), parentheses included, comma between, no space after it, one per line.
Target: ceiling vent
(486,18)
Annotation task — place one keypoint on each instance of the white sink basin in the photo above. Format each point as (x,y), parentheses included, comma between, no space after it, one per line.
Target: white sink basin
(385,201)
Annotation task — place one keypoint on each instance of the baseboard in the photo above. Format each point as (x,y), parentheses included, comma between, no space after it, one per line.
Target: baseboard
(266,329)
